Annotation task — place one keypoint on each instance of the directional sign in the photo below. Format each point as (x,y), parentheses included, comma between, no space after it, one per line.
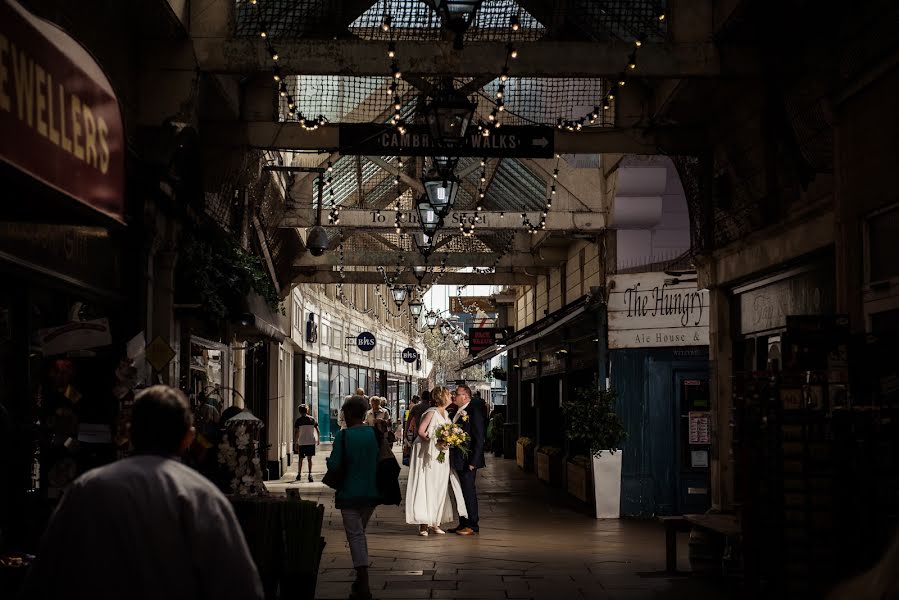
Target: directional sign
(506,142)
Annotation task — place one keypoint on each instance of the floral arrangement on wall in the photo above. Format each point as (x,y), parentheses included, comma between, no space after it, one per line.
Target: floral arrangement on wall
(239,453)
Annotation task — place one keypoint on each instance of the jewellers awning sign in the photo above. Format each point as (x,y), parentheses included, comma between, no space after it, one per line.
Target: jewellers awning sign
(59,115)
(507,142)
(652,310)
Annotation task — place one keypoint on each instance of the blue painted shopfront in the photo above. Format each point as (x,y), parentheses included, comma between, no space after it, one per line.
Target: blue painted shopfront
(662,473)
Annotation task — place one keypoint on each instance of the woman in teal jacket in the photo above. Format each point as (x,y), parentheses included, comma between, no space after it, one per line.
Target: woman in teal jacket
(357,495)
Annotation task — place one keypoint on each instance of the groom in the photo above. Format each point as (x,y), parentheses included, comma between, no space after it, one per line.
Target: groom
(471,415)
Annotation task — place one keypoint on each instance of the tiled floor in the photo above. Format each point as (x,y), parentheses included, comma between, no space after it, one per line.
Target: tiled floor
(532,545)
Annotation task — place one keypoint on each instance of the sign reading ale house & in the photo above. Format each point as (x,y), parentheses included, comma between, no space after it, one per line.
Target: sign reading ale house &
(653,310)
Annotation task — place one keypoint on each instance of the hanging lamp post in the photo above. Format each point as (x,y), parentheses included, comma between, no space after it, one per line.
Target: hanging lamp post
(431,320)
(429,217)
(448,114)
(419,271)
(399,294)
(442,190)
(457,16)
(415,306)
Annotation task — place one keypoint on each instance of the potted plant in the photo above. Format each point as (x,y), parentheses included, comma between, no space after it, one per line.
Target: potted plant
(549,465)
(524,455)
(592,423)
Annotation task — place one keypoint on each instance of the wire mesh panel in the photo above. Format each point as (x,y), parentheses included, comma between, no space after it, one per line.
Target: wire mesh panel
(541,100)
(345,99)
(286,19)
(618,19)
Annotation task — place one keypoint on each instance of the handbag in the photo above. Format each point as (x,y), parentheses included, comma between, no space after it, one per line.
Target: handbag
(334,477)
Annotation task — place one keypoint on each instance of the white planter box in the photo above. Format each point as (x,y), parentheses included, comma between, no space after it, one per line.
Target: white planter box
(607,484)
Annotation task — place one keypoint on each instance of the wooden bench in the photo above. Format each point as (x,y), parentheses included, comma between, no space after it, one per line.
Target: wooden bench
(726,525)
(672,526)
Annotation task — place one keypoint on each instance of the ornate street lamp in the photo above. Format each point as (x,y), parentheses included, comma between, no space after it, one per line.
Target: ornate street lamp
(457,337)
(399,294)
(457,16)
(415,306)
(430,218)
(446,328)
(448,115)
(419,271)
(466,343)
(431,320)
(441,190)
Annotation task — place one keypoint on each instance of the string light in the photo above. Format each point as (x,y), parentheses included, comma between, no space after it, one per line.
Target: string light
(516,25)
(391,50)
(386,23)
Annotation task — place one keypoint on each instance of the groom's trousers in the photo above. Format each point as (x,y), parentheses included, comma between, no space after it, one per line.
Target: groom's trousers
(470,493)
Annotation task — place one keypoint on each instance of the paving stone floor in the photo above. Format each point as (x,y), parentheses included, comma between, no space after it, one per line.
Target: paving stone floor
(533,544)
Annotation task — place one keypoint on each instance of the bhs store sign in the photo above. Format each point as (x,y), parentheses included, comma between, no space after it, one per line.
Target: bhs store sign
(652,310)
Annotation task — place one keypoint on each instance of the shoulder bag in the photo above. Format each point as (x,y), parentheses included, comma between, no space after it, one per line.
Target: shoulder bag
(334,477)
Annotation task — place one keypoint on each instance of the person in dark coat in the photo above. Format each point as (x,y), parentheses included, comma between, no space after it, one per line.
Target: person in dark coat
(471,415)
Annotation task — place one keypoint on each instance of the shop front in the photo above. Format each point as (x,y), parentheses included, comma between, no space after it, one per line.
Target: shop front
(63,322)
(658,349)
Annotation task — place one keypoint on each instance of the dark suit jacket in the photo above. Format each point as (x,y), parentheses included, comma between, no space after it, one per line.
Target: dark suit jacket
(476,428)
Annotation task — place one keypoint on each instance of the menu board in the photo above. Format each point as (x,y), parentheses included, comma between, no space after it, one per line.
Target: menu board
(699,427)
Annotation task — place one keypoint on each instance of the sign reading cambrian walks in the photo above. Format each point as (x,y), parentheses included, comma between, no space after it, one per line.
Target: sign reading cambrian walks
(410,355)
(507,142)
(365,341)
(651,310)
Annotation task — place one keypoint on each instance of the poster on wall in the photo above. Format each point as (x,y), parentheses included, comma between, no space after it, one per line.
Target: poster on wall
(653,310)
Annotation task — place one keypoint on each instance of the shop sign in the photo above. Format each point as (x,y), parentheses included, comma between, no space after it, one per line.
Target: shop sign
(75,336)
(85,256)
(652,310)
(481,338)
(159,353)
(365,341)
(410,355)
(461,304)
(58,112)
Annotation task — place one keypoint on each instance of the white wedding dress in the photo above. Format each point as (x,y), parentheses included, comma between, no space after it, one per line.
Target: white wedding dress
(433,493)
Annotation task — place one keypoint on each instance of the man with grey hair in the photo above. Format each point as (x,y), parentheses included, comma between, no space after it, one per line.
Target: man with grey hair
(147,526)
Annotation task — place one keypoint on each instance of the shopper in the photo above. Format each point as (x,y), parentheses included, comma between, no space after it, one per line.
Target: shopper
(356,448)
(377,412)
(306,437)
(146,527)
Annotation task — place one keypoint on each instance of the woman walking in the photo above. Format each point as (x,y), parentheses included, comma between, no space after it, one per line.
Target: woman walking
(428,502)
(355,454)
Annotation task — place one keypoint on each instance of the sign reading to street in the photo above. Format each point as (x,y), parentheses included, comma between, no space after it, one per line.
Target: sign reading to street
(506,142)
(365,341)
(410,355)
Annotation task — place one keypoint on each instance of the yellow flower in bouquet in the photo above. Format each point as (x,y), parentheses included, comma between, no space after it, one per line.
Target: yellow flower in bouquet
(451,436)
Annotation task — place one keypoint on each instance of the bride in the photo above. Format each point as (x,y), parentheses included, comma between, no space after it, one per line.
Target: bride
(428,502)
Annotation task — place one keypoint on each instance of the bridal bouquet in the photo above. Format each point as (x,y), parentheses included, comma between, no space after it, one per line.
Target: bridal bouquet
(451,436)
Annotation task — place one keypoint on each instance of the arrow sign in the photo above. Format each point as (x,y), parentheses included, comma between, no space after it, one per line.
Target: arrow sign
(507,142)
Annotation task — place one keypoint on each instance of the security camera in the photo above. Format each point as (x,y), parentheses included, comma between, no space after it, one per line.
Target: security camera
(317,240)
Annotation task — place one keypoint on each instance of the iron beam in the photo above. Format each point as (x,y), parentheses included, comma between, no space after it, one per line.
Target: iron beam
(478,59)
(548,257)
(448,278)
(374,219)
